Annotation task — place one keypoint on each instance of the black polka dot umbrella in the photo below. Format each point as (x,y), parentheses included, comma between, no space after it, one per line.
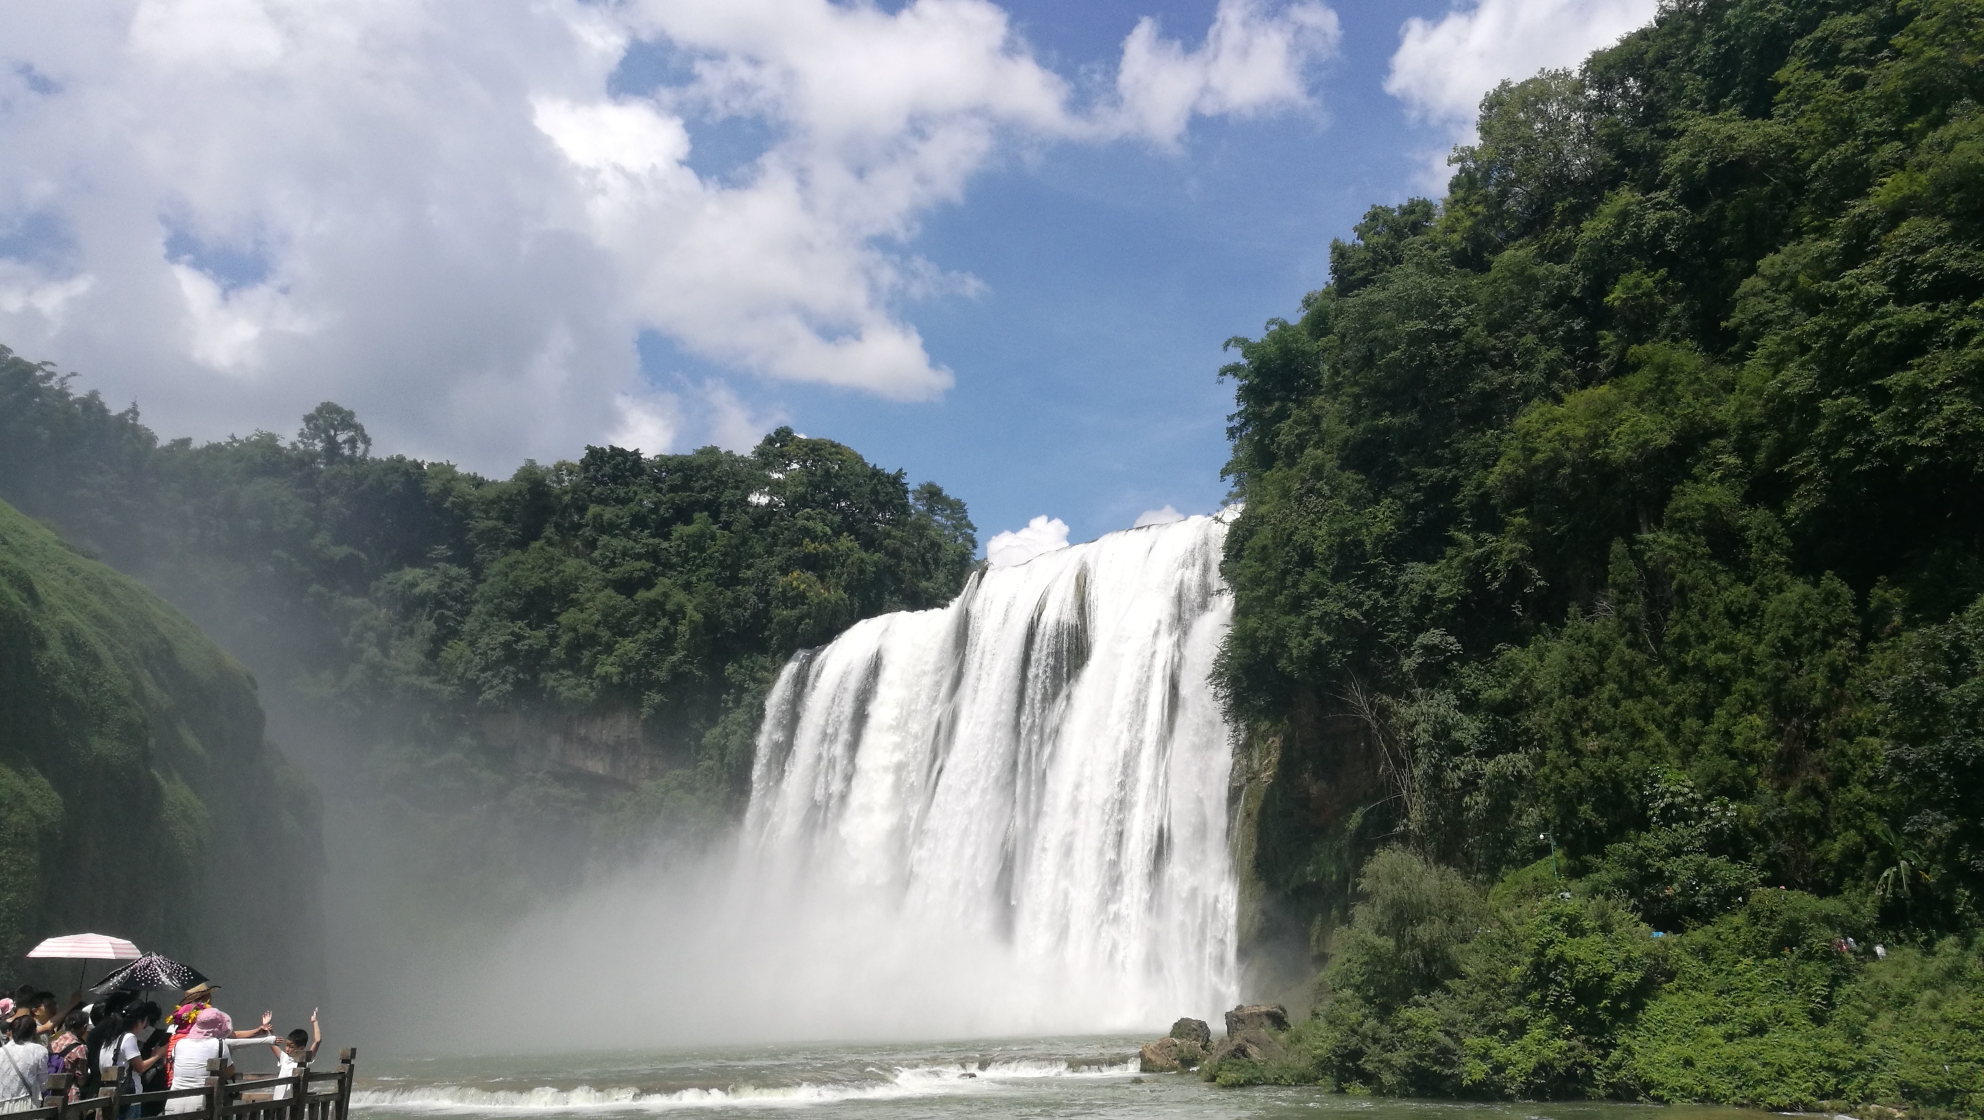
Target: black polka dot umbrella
(149,972)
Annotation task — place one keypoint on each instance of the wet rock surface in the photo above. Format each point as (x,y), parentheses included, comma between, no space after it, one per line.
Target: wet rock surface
(1252,1044)
(1256,1017)
(1250,1036)
(1192,1030)
(1170,1055)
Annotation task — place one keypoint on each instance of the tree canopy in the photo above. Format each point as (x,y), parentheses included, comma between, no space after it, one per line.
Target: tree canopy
(1620,517)
(421,632)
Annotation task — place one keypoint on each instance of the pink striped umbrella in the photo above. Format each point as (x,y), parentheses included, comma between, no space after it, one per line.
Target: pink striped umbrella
(86,947)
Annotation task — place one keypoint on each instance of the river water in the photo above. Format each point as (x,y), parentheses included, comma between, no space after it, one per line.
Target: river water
(1035,1078)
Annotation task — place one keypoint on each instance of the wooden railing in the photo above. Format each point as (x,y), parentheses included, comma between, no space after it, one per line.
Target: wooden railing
(225,1096)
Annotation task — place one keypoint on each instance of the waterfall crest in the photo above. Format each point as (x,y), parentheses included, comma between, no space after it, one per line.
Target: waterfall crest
(1033,778)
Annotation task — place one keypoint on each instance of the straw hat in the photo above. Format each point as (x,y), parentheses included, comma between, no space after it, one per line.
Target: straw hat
(203,988)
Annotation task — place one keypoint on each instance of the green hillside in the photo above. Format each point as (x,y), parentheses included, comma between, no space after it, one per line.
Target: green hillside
(1613,564)
(140,796)
(500,685)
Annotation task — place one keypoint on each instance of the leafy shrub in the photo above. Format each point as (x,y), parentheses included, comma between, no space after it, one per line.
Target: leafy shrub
(1408,933)
(1562,991)
(1550,988)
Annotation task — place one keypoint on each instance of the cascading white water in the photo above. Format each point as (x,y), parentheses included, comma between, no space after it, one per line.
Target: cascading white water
(1032,779)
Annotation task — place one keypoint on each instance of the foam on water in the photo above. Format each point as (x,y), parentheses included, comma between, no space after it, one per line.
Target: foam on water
(901,1082)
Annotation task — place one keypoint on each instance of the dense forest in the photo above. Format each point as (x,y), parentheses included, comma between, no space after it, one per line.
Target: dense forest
(140,793)
(1610,586)
(497,684)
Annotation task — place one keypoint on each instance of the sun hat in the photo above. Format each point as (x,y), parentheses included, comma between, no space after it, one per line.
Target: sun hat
(211,1023)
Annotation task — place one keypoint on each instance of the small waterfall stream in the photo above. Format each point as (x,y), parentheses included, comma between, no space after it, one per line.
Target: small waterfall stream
(1037,771)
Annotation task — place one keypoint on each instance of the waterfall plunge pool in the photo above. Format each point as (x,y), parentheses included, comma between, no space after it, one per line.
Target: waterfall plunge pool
(1034,1078)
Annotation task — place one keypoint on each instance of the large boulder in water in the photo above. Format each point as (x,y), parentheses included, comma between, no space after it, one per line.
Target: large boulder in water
(1257,1017)
(1192,1030)
(1251,1043)
(1159,1057)
(1170,1054)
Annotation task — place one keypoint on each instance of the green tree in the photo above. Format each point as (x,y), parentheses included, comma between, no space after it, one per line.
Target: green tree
(333,434)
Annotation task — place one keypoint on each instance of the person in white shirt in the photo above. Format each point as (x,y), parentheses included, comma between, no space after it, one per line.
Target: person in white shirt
(296,1050)
(210,1037)
(23,1068)
(127,1052)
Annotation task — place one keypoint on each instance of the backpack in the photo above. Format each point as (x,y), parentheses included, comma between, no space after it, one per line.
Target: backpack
(59,1062)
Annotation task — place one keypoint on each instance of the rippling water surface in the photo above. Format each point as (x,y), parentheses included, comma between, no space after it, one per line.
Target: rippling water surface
(1005,1078)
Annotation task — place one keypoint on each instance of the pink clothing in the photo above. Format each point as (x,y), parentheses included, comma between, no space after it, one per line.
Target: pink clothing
(211,1023)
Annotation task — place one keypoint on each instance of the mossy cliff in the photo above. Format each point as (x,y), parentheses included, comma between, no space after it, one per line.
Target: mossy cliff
(138,796)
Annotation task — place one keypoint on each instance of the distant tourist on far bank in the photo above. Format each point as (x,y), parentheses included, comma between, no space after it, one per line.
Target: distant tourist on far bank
(23,1067)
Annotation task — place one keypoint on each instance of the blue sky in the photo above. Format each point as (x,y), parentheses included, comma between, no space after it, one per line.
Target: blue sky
(995,245)
(1086,373)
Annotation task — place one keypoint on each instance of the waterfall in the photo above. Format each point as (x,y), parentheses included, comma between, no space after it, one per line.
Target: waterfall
(1030,782)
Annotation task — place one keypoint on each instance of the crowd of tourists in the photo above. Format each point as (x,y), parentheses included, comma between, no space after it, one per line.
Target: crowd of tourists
(120,1035)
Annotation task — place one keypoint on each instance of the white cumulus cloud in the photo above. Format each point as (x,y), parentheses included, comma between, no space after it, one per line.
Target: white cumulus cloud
(647,424)
(1017,546)
(1164,516)
(1252,60)
(1443,67)
(457,216)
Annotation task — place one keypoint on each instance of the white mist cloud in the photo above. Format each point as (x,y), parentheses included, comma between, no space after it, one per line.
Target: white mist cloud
(747,963)
(1443,67)
(1017,546)
(1163,516)
(447,215)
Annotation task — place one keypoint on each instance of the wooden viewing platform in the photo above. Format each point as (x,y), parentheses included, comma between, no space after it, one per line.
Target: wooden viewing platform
(225,1096)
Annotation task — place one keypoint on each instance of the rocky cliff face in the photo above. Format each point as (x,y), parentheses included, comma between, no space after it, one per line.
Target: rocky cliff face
(1302,795)
(610,744)
(138,794)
